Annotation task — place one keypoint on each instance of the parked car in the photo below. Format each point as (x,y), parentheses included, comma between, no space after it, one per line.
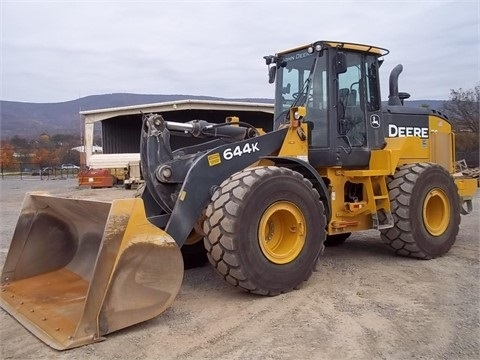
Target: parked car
(44,172)
(69,167)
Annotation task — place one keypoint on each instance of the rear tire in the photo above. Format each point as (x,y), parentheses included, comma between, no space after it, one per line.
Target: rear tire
(265,229)
(194,255)
(426,210)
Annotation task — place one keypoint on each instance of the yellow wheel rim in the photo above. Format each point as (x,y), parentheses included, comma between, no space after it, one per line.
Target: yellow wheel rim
(193,238)
(436,212)
(282,232)
(197,233)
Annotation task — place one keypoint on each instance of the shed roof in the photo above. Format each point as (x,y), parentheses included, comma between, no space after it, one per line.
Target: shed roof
(92,116)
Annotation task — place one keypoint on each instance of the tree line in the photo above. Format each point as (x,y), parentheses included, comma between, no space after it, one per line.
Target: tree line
(45,150)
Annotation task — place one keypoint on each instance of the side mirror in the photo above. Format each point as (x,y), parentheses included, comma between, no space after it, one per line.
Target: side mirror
(340,63)
(272,71)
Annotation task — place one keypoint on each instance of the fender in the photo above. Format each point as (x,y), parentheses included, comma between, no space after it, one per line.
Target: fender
(208,171)
(309,172)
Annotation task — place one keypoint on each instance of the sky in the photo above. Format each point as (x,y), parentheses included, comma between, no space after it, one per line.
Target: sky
(55,51)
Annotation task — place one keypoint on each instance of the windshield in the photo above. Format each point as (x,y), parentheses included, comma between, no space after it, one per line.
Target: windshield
(293,83)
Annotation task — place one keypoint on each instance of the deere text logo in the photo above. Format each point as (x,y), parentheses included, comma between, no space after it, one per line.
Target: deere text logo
(403,131)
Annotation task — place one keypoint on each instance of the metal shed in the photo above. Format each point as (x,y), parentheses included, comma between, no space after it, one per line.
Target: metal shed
(121,126)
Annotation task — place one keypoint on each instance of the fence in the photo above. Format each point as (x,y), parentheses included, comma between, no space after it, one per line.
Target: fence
(30,171)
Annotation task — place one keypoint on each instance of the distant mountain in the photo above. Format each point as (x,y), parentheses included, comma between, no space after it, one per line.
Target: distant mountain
(29,120)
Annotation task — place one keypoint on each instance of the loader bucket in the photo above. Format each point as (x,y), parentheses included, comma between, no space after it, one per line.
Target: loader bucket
(78,269)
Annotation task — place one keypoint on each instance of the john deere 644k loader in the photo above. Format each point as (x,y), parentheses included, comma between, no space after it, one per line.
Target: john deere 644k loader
(264,204)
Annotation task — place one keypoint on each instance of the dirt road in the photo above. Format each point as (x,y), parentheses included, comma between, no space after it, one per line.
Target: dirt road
(362,303)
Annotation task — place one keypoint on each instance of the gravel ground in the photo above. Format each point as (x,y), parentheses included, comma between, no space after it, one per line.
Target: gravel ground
(362,303)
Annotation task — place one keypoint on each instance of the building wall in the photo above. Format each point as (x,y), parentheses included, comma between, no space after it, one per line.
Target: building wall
(121,134)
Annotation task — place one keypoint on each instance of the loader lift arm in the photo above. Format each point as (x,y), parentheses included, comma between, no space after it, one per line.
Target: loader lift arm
(179,184)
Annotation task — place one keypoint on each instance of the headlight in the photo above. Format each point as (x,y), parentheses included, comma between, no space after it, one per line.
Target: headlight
(316,47)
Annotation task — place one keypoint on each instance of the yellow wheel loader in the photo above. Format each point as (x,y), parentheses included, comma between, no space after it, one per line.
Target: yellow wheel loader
(261,205)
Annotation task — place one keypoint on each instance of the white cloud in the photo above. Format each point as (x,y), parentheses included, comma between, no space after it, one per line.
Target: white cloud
(60,50)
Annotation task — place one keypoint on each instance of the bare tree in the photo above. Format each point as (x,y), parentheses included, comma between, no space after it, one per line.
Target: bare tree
(463,107)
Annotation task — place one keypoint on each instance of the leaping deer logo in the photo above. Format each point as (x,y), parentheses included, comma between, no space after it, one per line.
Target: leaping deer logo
(375,121)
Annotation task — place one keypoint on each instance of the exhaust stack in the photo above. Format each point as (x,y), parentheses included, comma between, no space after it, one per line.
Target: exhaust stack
(396,97)
(393,97)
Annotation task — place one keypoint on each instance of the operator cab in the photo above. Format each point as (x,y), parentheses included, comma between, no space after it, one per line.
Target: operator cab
(338,85)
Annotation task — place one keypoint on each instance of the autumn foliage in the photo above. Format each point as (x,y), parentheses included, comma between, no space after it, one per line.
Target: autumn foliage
(6,154)
(40,152)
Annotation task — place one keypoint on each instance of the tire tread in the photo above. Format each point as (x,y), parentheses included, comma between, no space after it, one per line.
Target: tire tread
(401,237)
(219,226)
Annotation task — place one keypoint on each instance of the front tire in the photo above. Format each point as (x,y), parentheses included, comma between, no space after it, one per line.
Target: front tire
(265,229)
(426,210)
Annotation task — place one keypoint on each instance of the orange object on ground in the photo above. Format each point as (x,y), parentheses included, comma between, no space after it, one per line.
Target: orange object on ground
(96,178)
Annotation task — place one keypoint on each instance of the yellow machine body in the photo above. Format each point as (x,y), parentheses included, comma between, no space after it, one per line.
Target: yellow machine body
(357,216)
